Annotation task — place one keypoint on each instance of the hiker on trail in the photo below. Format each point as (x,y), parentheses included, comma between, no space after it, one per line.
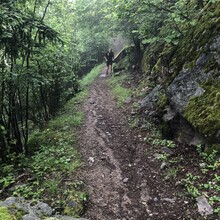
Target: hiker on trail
(109,58)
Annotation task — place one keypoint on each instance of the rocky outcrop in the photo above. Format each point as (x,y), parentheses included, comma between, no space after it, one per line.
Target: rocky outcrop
(186,86)
(193,97)
(124,59)
(19,208)
(149,102)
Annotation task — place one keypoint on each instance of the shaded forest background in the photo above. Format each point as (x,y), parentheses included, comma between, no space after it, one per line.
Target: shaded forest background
(48,46)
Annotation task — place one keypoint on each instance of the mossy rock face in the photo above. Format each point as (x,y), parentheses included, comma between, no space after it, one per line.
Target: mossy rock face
(122,65)
(125,59)
(75,204)
(162,101)
(5,215)
(150,57)
(193,45)
(203,112)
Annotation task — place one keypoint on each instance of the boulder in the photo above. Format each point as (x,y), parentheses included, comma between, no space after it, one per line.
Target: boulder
(124,60)
(30,217)
(187,102)
(35,210)
(41,209)
(185,86)
(74,205)
(18,202)
(149,101)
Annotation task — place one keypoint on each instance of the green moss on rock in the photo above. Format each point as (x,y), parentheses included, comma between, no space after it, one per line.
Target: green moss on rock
(123,64)
(19,214)
(192,45)
(5,215)
(151,56)
(124,59)
(203,112)
(162,101)
(75,205)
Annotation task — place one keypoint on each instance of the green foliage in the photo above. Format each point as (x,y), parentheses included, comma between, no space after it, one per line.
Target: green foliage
(7,177)
(195,187)
(32,191)
(7,181)
(133,122)
(86,28)
(207,156)
(44,47)
(189,182)
(64,121)
(52,185)
(163,142)
(5,215)
(122,94)
(197,182)
(163,157)
(89,78)
(51,164)
(75,203)
(36,75)
(171,173)
(157,21)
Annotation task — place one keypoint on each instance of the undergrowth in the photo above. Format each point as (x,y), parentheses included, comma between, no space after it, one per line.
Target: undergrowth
(196,172)
(47,172)
(193,170)
(121,93)
(88,79)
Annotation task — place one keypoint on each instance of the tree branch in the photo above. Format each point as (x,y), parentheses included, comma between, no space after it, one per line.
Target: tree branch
(45,10)
(161,8)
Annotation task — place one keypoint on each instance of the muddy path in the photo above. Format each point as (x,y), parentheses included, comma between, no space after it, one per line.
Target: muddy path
(122,178)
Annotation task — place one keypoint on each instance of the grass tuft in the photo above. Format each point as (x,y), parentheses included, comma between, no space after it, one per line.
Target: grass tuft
(119,91)
(89,78)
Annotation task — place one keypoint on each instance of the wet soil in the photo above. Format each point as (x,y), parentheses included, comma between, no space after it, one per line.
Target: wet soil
(120,171)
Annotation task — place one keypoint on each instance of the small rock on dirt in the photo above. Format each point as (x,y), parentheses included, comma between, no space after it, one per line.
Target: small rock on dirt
(167,151)
(91,160)
(125,180)
(155,199)
(163,165)
(203,206)
(169,200)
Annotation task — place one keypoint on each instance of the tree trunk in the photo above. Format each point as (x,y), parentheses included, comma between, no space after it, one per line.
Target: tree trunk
(137,44)
(2,138)
(26,121)
(45,107)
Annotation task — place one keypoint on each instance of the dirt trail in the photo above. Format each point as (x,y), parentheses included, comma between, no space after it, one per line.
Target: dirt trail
(122,180)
